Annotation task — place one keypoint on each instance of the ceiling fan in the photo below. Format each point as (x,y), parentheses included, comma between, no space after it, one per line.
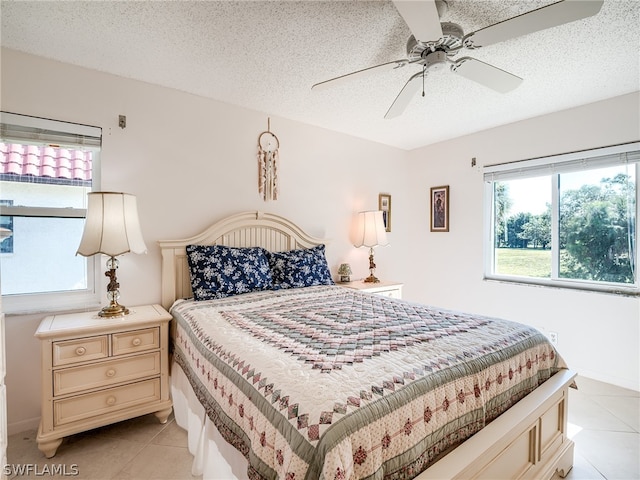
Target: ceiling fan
(433,44)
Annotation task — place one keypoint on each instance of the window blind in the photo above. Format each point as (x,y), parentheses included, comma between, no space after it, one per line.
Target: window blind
(26,129)
(570,162)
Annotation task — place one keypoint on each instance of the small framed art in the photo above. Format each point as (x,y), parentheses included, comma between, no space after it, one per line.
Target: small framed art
(440,209)
(384,204)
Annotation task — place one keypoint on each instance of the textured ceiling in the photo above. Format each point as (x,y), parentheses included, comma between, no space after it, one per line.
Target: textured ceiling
(266,55)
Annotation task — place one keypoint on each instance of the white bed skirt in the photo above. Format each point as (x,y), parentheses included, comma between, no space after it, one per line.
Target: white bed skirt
(213,457)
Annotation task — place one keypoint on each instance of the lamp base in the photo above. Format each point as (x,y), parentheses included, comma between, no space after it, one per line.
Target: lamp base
(372,268)
(114,310)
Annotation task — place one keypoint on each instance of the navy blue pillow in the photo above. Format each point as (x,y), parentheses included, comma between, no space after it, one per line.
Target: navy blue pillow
(299,268)
(217,271)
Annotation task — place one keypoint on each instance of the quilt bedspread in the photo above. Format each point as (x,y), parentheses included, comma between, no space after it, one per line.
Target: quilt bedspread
(330,383)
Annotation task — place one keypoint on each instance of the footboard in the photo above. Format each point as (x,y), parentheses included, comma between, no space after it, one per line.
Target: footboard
(528,441)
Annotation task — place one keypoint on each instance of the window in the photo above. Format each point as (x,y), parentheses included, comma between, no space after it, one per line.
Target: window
(46,170)
(567,220)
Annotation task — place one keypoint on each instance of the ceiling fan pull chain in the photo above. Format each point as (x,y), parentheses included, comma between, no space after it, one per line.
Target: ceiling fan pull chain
(424,69)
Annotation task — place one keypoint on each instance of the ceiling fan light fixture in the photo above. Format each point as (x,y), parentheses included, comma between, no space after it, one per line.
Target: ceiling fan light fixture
(435,60)
(450,42)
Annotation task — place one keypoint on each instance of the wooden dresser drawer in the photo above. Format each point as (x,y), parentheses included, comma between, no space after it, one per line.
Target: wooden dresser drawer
(81,407)
(135,341)
(104,374)
(80,350)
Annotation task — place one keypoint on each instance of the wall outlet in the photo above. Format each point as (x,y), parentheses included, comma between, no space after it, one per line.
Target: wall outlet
(553,338)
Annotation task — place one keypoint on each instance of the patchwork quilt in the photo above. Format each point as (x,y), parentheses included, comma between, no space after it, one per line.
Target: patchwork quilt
(330,383)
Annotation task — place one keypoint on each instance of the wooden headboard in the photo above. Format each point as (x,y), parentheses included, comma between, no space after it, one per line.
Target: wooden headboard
(248,229)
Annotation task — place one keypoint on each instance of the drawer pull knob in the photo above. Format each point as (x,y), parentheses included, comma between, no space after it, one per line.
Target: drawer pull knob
(136,342)
(81,351)
(111,372)
(111,400)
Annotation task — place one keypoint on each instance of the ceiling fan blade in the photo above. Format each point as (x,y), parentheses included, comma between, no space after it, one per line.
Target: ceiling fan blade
(550,16)
(486,74)
(422,18)
(405,96)
(358,74)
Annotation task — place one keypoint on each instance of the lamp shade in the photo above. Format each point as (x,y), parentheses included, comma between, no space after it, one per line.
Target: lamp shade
(370,230)
(112,226)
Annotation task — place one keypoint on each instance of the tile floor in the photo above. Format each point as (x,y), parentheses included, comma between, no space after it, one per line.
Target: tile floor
(604,422)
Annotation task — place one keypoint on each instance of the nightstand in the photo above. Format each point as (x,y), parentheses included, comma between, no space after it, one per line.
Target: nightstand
(97,371)
(386,289)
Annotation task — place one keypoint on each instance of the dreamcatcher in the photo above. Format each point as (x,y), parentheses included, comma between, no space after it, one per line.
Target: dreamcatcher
(268,145)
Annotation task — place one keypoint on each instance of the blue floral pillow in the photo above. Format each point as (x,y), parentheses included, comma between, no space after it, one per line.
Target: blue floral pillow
(217,271)
(299,268)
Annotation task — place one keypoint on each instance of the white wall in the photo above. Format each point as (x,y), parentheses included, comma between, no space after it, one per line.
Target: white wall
(598,334)
(192,161)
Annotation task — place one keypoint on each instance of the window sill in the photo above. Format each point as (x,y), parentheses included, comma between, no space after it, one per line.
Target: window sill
(49,303)
(586,288)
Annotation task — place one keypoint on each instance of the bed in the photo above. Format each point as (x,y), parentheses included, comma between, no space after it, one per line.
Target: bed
(324,382)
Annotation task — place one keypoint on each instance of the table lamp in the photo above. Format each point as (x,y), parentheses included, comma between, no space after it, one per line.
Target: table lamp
(111,228)
(370,232)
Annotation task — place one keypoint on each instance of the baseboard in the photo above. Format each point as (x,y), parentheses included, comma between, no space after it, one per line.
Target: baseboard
(618,382)
(23,425)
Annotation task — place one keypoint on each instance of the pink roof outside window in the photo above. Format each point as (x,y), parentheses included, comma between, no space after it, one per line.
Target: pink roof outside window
(51,162)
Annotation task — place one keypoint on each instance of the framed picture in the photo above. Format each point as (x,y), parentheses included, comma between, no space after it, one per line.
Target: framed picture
(440,209)
(384,204)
